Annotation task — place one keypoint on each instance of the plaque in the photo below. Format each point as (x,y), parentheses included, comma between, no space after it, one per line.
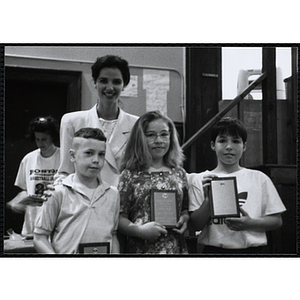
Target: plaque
(94,248)
(164,207)
(223,198)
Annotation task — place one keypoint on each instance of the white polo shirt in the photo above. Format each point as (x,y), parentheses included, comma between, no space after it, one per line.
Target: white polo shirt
(74,218)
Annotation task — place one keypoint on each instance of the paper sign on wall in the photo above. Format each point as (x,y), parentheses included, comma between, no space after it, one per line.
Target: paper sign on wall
(131,89)
(157,84)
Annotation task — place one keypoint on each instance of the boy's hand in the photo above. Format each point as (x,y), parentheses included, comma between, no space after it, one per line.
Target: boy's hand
(206,183)
(37,201)
(237,224)
(152,230)
(47,193)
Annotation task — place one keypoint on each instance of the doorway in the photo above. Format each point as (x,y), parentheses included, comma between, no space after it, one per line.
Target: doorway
(31,93)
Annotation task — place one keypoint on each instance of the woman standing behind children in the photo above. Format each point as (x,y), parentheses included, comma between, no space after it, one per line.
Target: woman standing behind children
(37,168)
(111,75)
(259,202)
(152,160)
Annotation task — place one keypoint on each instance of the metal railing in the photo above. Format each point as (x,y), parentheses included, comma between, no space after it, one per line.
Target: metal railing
(219,115)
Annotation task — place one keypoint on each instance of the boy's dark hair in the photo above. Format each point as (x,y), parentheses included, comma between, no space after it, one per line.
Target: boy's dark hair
(229,126)
(111,61)
(47,125)
(90,133)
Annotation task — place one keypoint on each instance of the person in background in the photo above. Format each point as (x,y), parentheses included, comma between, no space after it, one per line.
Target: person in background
(260,204)
(111,75)
(153,160)
(37,168)
(82,209)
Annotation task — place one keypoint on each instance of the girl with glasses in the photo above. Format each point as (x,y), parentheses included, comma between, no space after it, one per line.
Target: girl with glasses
(152,160)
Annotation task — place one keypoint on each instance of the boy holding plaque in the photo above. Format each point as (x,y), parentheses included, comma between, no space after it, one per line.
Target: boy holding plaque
(260,206)
(83,212)
(153,189)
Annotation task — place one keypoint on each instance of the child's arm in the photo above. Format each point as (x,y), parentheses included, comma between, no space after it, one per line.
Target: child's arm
(42,244)
(45,224)
(182,224)
(115,245)
(266,223)
(150,230)
(201,216)
(14,203)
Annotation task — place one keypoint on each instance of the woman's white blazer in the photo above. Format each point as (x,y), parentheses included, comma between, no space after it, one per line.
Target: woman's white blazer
(72,122)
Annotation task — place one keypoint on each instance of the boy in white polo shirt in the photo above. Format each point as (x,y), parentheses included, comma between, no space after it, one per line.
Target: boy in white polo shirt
(259,202)
(83,209)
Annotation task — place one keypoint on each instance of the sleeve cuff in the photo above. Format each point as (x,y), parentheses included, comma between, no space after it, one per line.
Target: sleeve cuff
(38,230)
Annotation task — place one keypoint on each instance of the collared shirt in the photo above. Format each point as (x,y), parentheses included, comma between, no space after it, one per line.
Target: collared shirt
(74,218)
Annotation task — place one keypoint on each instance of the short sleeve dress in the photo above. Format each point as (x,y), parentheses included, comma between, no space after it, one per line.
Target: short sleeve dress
(135,192)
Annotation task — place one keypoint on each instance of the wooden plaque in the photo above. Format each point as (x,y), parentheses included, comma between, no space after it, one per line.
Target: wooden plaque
(164,207)
(94,248)
(223,198)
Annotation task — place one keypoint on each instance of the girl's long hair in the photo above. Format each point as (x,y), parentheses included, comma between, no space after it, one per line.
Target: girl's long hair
(137,155)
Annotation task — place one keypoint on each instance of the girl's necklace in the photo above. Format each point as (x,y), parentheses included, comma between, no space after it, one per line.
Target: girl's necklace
(160,169)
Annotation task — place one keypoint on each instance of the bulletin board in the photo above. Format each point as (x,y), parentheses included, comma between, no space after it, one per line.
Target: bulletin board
(154,89)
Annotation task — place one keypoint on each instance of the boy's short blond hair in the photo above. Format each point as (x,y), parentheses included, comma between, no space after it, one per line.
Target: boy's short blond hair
(88,133)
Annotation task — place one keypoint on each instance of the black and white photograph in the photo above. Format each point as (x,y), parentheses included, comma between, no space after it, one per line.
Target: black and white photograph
(92,130)
(104,104)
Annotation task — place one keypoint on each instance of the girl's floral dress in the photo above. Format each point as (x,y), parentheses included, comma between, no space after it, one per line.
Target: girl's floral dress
(135,191)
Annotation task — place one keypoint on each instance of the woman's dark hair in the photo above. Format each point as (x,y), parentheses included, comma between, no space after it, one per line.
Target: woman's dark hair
(47,125)
(111,61)
(229,126)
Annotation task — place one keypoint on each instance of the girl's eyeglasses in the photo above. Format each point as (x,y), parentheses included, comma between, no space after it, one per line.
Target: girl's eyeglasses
(152,136)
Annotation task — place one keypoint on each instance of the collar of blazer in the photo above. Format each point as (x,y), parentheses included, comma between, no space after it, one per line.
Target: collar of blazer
(119,137)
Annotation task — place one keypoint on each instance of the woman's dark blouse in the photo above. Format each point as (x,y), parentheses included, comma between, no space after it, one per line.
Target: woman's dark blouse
(135,191)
